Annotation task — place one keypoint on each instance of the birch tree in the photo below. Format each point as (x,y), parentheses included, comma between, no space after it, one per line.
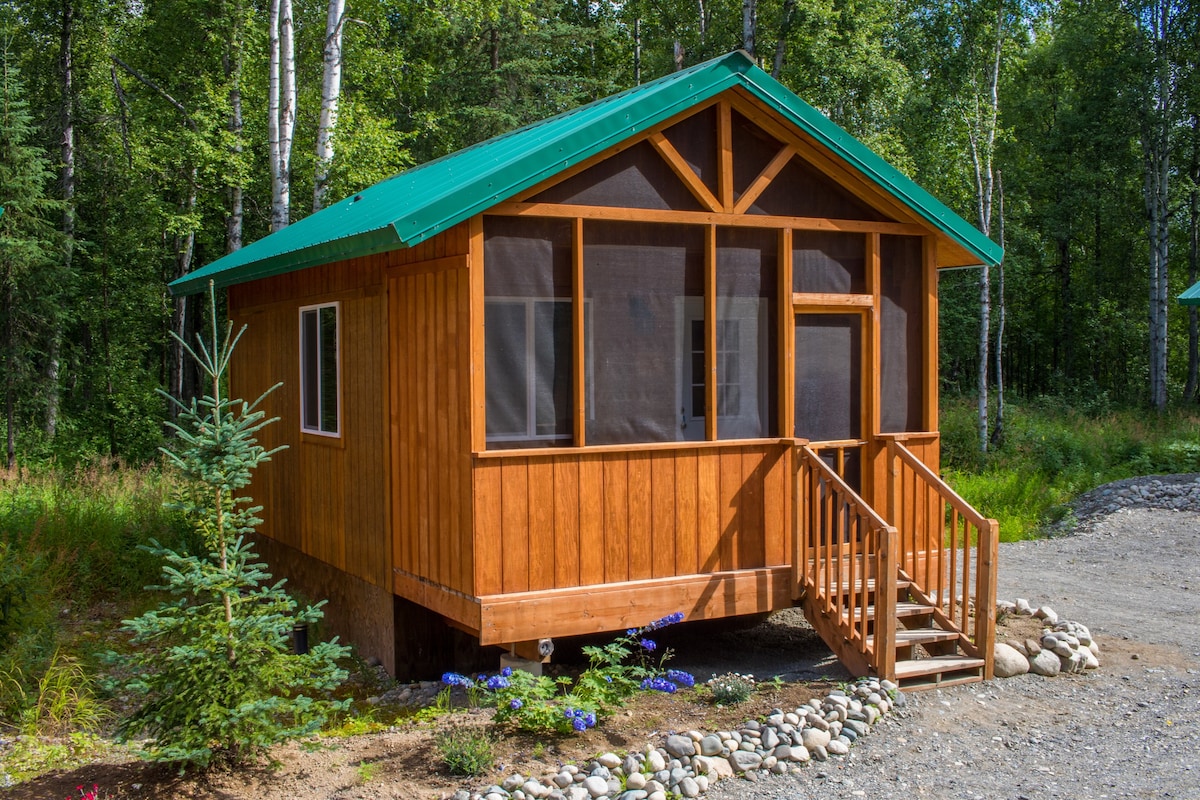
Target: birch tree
(331,90)
(281,107)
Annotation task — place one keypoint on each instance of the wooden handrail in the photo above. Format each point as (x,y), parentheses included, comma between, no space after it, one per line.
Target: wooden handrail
(951,496)
(864,508)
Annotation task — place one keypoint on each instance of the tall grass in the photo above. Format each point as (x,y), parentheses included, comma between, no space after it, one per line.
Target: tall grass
(69,539)
(1052,453)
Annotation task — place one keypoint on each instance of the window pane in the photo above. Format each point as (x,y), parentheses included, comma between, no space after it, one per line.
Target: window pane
(640,279)
(747,280)
(829,262)
(309,362)
(329,369)
(828,376)
(506,369)
(528,333)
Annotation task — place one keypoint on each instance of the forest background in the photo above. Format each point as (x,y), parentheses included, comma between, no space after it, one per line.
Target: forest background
(143,138)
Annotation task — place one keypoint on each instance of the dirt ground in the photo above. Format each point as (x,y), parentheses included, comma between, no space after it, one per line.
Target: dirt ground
(1132,577)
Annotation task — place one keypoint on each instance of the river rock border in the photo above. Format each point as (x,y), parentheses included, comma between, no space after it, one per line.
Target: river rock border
(685,765)
(1064,646)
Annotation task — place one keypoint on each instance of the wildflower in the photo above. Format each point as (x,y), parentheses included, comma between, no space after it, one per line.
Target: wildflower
(648,645)
(590,719)
(631,632)
(670,619)
(659,685)
(497,682)
(515,704)
(506,672)
(579,725)
(681,678)
(454,679)
(569,713)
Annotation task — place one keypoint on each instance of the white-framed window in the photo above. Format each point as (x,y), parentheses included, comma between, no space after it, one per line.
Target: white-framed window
(742,368)
(320,369)
(529,368)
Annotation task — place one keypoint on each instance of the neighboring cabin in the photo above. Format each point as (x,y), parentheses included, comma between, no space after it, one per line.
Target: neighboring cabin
(672,350)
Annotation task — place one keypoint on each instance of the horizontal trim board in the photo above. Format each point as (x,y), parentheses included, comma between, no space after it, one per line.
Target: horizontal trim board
(525,616)
(453,605)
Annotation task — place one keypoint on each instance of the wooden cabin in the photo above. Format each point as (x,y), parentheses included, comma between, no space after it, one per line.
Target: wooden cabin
(675,350)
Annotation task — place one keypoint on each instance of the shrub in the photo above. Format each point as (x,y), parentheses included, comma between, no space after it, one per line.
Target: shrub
(731,688)
(215,676)
(465,751)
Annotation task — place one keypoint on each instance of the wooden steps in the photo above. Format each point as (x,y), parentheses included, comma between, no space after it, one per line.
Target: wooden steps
(947,670)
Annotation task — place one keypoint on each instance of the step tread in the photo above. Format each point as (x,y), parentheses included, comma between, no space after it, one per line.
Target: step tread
(904,610)
(908,636)
(936,665)
(900,584)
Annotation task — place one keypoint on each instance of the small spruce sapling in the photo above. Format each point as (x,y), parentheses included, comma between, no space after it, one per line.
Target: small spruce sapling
(216,678)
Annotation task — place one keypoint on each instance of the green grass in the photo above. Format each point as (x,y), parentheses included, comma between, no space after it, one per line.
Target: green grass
(1052,453)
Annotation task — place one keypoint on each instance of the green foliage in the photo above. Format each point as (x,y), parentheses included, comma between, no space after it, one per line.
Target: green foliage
(213,678)
(1052,453)
(465,751)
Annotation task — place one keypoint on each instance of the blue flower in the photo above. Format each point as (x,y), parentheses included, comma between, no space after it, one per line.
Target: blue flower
(515,703)
(681,678)
(659,685)
(506,672)
(497,682)
(647,644)
(569,713)
(590,719)
(631,632)
(579,725)
(454,679)
(670,619)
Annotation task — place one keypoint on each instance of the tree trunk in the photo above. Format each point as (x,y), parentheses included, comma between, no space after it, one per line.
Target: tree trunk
(749,26)
(67,178)
(637,51)
(1192,392)
(785,28)
(182,387)
(234,191)
(281,108)
(997,438)
(331,90)
(10,388)
(678,55)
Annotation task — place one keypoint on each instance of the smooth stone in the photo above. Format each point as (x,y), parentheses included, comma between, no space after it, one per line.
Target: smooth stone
(813,738)
(577,793)
(819,723)
(1023,607)
(838,747)
(609,760)
(1095,648)
(769,762)
(1009,661)
(751,725)
(800,755)
(660,795)
(595,785)
(702,781)
(710,746)
(655,761)
(1032,647)
(563,779)
(631,764)
(601,771)
(742,760)
(636,780)
(791,718)
(1047,613)
(1062,650)
(680,746)
(677,775)
(849,734)
(614,786)
(1089,658)
(747,746)
(722,769)
(819,753)
(1045,663)
(633,794)
(770,739)
(689,788)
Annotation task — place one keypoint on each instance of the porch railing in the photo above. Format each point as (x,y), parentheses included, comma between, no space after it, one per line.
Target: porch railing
(952,565)
(846,550)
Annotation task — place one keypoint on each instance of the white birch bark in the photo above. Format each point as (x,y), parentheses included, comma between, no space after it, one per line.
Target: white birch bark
(331,91)
(281,107)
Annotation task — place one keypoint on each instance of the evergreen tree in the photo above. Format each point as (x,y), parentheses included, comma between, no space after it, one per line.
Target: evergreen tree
(216,680)
(28,248)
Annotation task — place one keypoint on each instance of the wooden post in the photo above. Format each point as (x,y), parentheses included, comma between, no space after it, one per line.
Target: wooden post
(478,347)
(578,333)
(885,604)
(710,332)
(787,338)
(985,598)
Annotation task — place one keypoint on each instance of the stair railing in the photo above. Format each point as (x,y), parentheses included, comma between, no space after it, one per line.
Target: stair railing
(952,565)
(844,546)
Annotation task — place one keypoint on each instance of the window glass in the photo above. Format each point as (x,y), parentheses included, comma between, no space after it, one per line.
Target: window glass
(319,369)
(747,269)
(527,331)
(902,383)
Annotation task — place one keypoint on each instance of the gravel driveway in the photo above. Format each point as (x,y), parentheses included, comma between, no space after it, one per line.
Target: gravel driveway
(1128,730)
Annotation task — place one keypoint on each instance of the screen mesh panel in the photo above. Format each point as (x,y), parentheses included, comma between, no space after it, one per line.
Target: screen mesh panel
(634,178)
(828,376)
(747,264)
(902,384)
(802,191)
(829,262)
(696,140)
(527,331)
(753,149)
(639,279)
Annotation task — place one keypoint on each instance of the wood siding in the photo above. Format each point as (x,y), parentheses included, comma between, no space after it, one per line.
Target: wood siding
(585,518)
(324,496)
(428,330)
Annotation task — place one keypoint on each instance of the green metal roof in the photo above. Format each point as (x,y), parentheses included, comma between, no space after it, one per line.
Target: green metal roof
(426,200)
(1191,297)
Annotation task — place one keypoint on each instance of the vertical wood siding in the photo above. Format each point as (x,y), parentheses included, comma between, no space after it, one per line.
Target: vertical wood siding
(428,309)
(323,496)
(582,519)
